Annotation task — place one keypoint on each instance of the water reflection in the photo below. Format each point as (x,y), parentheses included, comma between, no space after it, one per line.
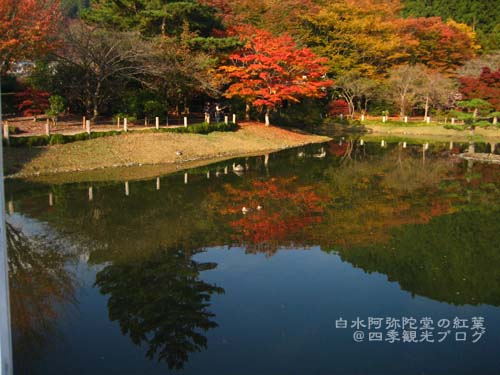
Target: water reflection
(161,302)
(420,215)
(40,285)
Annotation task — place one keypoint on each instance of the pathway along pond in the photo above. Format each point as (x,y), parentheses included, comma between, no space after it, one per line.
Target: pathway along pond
(170,276)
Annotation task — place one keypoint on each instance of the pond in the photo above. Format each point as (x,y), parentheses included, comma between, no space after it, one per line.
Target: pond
(342,258)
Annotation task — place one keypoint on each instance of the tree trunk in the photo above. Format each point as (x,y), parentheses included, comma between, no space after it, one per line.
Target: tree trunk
(426,108)
(95,109)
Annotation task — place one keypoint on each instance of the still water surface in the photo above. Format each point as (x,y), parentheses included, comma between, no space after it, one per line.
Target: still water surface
(169,275)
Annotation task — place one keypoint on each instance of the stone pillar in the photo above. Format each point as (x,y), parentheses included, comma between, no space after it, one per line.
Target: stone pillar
(226,120)
(406,119)
(47,128)
(185,122)
(157,183)
(88,127)
(234,118)
(125,125)
(157,123)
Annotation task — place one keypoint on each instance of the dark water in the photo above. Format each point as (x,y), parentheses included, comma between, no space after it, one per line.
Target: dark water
(175,278)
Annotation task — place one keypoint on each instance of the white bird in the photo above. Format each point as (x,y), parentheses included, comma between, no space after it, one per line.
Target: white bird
(178,153)
(245,210)
(238,168)
(321,155)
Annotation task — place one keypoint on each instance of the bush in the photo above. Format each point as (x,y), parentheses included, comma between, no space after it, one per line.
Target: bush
(57,139)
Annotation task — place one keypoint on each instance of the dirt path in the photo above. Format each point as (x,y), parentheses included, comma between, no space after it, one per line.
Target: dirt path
(151,149)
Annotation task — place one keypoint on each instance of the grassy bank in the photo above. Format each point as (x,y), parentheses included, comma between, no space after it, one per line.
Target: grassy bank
(135,149)
(486,134)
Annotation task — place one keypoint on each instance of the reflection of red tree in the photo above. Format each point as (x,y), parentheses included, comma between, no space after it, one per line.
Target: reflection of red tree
(338,149)
(286,210)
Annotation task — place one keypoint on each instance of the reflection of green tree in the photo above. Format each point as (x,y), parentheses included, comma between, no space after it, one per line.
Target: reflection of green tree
(160,301)
(39,282)
(453,258)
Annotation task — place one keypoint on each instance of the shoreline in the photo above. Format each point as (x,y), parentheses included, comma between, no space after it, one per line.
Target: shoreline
(138,156)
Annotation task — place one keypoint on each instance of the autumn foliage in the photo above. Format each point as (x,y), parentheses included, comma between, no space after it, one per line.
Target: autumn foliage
(287,208)
(27,28)
(486,86)
(272,69)
(33,102)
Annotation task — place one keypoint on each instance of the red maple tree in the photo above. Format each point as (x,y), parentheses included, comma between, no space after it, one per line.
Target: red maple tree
(33,102)
(27,29)
(486,86)
(272,69)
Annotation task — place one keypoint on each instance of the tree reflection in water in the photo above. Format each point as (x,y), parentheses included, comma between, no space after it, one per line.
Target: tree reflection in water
(39,283)
(161,302)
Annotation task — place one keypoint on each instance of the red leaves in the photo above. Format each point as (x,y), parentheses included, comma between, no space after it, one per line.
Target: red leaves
(286,209)
(486,86)
(27,28)
(270,70)
(337,107)
(33,102)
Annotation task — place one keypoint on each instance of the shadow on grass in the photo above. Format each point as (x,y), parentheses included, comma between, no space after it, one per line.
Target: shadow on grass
(15,158)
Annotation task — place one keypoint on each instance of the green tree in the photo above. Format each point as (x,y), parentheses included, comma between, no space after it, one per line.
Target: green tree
(150,18)
(56,107)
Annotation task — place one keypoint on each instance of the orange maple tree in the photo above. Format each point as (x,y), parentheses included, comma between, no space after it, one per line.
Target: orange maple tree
(27,28)
(272,69)
(440,45)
